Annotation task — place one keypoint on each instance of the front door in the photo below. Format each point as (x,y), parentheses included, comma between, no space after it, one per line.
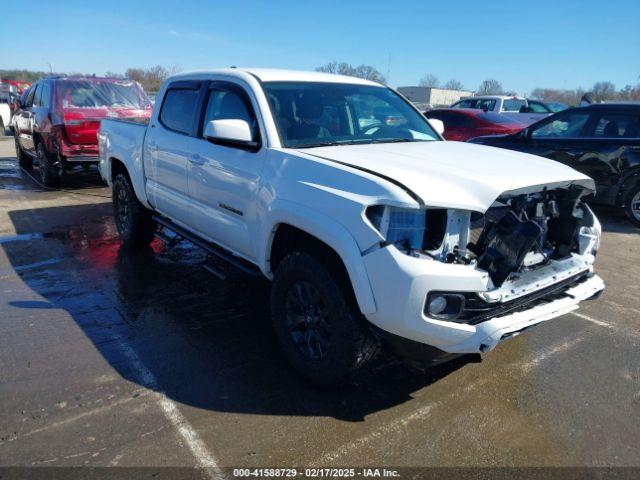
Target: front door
(224,180)
(561,138)
(24,122)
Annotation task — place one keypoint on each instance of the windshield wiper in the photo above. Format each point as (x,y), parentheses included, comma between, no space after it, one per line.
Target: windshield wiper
(314,145)
(394,140)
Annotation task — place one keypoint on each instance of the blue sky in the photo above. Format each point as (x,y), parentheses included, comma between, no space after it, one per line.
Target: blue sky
(562,44)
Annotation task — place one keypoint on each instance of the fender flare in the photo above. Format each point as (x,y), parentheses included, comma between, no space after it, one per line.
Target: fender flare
(137,180)
(327,230)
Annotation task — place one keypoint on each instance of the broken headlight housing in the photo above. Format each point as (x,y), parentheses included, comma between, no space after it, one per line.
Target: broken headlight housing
(402,227)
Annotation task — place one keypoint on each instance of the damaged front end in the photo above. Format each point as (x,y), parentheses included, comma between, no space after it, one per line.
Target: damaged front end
(534,246)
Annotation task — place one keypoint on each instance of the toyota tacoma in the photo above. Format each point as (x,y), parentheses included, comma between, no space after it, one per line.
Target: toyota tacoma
(372,229)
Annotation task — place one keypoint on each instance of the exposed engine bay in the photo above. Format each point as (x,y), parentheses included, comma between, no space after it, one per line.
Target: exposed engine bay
(519,233)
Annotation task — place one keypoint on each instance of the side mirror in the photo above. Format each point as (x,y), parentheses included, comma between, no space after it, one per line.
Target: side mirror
(526,133)
(232,133)
(437,125)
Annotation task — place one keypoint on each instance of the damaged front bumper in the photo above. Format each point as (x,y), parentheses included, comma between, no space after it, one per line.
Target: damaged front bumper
(402,283)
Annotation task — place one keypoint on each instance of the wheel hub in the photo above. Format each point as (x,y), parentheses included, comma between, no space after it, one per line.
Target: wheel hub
(307,320)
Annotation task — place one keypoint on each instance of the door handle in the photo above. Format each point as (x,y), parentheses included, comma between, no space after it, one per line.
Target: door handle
(196,159)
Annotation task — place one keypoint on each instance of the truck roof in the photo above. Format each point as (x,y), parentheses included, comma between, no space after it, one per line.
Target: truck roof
(277,75)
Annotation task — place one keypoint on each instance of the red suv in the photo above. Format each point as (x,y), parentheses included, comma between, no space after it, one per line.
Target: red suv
(58,121)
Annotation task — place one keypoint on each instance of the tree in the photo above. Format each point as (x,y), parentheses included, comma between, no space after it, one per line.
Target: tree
(454,84)
(430,80)
(361,71)
(490,86)
(151,78)
(604,91)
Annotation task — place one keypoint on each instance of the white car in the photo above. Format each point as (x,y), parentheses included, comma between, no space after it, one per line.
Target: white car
(371,232)
(520,109)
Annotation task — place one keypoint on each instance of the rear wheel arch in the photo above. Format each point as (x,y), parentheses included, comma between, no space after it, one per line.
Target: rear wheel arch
(630,183)
(117,166)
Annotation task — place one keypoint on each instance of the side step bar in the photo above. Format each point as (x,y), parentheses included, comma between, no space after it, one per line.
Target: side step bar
(208,247)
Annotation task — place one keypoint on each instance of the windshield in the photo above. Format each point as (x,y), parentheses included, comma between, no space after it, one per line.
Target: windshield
(317,114)
(101,94)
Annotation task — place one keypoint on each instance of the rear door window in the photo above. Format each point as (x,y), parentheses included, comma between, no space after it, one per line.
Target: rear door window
(513,105)
(31,96)
(464,104)
(538,107)
(616,125)
(44,96)
(179,110)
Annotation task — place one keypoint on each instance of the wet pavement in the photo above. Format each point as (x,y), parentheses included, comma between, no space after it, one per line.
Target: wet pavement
(109,357)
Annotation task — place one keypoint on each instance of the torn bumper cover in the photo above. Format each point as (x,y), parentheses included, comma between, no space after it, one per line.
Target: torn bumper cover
(402,285)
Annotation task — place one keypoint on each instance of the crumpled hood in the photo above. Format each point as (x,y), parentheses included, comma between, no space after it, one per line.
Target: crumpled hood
(455,174)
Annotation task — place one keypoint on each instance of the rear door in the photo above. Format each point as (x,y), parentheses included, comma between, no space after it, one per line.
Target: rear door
(223,179)
(170,143)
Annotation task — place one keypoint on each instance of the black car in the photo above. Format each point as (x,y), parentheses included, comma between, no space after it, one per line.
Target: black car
(602,141)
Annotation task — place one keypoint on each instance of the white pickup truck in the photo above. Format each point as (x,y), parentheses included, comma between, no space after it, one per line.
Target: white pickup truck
(373,230)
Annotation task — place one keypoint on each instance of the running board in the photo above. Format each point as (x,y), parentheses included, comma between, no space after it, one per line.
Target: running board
(208,247)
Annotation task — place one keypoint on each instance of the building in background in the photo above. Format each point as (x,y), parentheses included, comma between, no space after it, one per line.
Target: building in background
(426,98)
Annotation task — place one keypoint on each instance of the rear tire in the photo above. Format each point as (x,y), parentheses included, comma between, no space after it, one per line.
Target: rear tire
(24,160)
(49,172)
(3,131)
(134,222)
(632,205)
(317,323)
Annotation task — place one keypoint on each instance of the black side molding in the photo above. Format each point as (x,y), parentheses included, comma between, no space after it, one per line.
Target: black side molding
(211,248)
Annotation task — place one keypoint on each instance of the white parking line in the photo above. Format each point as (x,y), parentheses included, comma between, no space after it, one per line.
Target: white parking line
(382,432)
(198,448)
(549,352)
(592,320)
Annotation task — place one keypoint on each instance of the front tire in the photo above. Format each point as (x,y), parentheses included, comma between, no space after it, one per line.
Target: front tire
(316,321)
(632,205)
(49,172)
(134,222)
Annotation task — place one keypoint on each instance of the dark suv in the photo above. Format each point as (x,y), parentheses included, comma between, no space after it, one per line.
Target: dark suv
(58,121)
(602,141)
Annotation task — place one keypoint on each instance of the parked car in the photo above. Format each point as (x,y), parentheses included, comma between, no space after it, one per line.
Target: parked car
(368,234)
(517,108)
(461,124)
(602,141)
(57,122)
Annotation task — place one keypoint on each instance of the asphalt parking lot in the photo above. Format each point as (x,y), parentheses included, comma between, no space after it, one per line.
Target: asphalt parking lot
(109,358)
